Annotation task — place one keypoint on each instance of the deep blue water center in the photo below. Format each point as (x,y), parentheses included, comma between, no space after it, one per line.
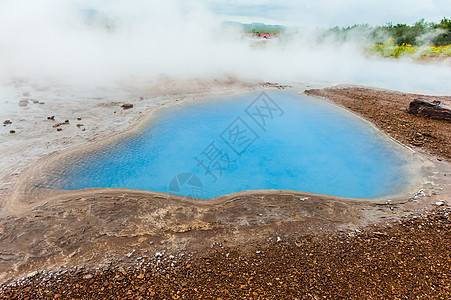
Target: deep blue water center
(272,140)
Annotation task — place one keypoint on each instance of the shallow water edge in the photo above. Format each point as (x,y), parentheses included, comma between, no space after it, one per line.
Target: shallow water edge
(28,192)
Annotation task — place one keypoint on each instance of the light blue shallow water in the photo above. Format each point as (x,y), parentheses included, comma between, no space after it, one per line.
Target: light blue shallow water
(275,140)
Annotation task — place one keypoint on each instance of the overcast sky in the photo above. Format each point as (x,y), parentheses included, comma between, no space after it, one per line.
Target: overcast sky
(330,13)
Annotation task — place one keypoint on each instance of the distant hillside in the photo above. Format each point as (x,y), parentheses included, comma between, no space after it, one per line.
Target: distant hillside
(258,28)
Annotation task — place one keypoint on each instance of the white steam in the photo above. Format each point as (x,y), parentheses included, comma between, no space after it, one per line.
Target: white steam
(111,41)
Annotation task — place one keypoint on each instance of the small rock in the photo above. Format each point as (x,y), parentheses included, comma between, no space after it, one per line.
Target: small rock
(420,193)
(439,203)
(67,121)
(79,118)
(12,131)
(79,125)
(60,124)
(32,274)
(118,277)
(417,143)
(127,106)
(59,129)
(51,118)
(23,102)
(379,233)
(87,276)
(7,122)
(35,101)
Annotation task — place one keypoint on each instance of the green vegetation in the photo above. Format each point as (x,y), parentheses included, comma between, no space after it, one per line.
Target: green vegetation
(262,28)
(401,38)
(420,34)
(445,37)
(422,40)
(389,49)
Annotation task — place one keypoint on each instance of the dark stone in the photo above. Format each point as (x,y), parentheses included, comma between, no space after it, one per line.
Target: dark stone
(417,143)
(127,106)
(12,131)
(427,108)
(60,124)
(7,122)
(51,118)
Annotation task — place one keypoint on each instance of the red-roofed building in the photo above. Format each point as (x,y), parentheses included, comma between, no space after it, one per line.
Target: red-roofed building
(262,35)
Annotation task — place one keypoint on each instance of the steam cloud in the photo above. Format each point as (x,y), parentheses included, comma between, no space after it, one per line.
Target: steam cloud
(109,42)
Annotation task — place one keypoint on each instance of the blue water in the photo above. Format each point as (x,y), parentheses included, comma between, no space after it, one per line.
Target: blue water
(276,140)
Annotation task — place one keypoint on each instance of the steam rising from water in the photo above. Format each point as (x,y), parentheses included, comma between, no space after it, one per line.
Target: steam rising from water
(109,42)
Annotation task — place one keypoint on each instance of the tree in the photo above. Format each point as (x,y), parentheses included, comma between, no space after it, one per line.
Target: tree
(445,37)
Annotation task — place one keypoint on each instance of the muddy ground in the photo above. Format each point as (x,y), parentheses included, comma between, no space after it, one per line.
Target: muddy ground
(407,260)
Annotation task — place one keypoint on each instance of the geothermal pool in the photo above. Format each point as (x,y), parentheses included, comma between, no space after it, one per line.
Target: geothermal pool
(273,140)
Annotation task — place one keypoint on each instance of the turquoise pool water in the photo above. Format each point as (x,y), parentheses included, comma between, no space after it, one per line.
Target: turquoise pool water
(273,140)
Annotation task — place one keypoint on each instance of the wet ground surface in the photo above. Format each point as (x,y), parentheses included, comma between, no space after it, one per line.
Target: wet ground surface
(407,260)
(103,228)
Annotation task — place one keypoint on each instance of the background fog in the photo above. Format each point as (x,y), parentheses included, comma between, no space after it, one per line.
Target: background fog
(111,42)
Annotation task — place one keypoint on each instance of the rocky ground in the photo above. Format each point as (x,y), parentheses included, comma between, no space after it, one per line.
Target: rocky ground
(253,245)
(407,260)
